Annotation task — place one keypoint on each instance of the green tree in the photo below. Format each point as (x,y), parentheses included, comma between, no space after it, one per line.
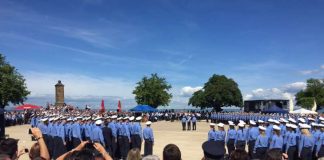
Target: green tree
(153,91)
(314,90)
(12,89)
(219,91)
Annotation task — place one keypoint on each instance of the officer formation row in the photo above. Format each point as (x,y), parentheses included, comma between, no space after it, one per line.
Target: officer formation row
(299,138)
(117,134)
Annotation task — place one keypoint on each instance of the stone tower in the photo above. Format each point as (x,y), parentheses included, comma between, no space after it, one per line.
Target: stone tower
(59,94)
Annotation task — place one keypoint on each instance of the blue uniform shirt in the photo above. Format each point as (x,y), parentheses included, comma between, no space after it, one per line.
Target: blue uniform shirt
(76,131)
(112,126)
(211,135)
(305,141)
(231,134)
(261,142)
(253,133)
(292,138)
(276,142)
(148,134)
(97,135)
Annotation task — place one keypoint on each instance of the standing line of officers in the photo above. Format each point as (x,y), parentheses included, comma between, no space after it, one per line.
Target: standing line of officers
(297,138)
(117,134)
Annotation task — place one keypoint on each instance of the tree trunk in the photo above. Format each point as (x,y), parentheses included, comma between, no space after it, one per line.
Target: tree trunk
(2,123)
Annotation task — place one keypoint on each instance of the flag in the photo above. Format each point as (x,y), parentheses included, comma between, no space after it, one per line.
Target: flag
(102,109)
(119,106)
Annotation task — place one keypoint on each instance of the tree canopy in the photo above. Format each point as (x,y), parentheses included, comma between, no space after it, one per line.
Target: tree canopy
(314,91)
(153,91)
(219,91)
(12,84)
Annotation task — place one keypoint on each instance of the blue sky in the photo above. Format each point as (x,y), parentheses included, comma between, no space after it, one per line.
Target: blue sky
(101,48)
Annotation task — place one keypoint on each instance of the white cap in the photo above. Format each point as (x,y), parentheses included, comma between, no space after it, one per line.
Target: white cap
(304,126)
(311,119)
(241,125)
(321,125)
(212,124)
(275,127)
(276,122)
(114,116)
(292,120)
(288,125)
(252,122)
(70,119)
(119,118)
(132,118)
(125,118)
(260,121)
(220,125)
(314,124)
(43,119)
(138,118)
(230,123)
(270,120)
(50,119)
(262,128)
(321,118)
(148,123)
(293,126)
(241,121)
(302,120)
(98,122)
(97,118)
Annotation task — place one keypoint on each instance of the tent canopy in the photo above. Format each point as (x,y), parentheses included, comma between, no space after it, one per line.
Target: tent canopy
(27,106)
(274,109)
(143,108)
(303,111)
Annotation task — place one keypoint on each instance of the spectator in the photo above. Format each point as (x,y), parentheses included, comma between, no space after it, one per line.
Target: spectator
(210,153)
(134,154)
(9,149)
(275,154)
(39,149)
(239,154)
(171,152)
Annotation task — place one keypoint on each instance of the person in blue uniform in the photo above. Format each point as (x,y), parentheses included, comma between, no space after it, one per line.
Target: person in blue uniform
(306,143)
(124,139)
(241,136)
(230,138)
(291,141)
(253,133)
(316,134)
(320,143)
(68,135)
(148,138)
(112,126)
(276,140)
(97,136)
(76,132)
(137,134)
(59,139)
(183,121)
(194,121)
(261,144)
(220,134)
(211,132)
(107,135)
(188,122)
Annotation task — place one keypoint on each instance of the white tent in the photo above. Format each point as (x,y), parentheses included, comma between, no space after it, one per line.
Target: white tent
(303,111)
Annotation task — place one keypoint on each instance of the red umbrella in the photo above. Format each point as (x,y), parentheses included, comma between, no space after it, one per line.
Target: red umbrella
(119,106)
(27,106)
(102,106)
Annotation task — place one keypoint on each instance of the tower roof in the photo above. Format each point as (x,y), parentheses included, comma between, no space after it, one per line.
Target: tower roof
(59,83)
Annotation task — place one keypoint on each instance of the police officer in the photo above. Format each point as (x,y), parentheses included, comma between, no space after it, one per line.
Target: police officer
(112,126)
(76,132)
(291,141)
(320,143)
(137,134)
(194,120)
(306,143)
(188,122)
(148,138)
(108,136)
(241,135)
(211,133)
(220,134)
(253,133)
(261,144)
(183,121)
(276,140)
(124,139)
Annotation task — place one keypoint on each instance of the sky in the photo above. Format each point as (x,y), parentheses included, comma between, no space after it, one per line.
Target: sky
(99,49)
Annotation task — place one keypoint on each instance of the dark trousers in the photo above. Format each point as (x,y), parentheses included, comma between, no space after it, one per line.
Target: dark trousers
(251,147)
(314,152)
(50,146)
(321,152)
(240,145)
(189,125)
(148,147)
(68,145)
(136,141)
(230,146)
(183,126)
(113,148)
(75,142)
(292,154)
(58,147)
(193,125)
(123,146)
(306,153)
(260,152)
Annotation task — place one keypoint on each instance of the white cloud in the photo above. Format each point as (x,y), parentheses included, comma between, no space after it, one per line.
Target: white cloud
(188,90)
(78,85)
(313,71)
(285,92)
(322,66)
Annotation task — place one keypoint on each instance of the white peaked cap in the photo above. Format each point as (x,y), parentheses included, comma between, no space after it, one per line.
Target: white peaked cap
(288,125)
(114,116)
(276,122)
(262,128)
(132,118)
(321,125)
(302,120)
(126,118)
(230,123)
(252,122)
(321,118)
(43,119)
(98,122)
(119,118)
(311,119)
(304,126)
(241,125)
(148,123)
(275,127)
(293,126)
(270,120)
(292,120)
(212,124)
(220,124)
(260,121)
(138,118)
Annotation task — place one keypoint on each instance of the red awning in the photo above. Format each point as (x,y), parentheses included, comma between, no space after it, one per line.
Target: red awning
(27,106)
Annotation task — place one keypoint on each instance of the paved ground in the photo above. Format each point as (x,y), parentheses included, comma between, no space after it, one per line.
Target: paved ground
(165,133)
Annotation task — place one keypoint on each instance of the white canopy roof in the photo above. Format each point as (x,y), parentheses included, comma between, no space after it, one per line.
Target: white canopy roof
(303,111)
